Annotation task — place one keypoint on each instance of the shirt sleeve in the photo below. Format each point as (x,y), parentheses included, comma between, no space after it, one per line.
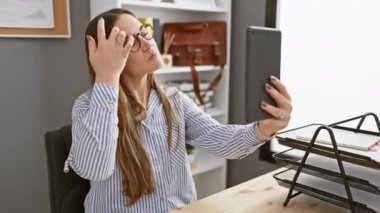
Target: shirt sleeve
(223,140)
(94,133)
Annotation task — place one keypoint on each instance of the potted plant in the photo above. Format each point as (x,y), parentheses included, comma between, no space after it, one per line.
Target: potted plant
(190,150)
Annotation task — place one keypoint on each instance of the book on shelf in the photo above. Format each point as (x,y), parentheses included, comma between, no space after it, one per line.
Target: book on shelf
(187,86)
(207,102)
(157,29)
(208,93)
(206,99)
(206,106)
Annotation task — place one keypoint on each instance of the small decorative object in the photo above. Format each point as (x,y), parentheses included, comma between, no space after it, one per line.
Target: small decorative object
(190,150)
(168,58)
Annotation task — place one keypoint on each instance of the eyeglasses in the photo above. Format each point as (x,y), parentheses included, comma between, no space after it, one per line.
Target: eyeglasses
(146,31)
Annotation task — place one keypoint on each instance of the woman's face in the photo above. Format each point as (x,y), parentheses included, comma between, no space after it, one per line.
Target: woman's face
(147,59)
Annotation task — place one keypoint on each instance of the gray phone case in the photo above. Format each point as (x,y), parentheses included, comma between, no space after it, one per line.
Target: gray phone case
(263,59)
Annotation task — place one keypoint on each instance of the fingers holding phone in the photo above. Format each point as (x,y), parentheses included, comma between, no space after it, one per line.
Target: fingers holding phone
(279,93)
(281,113)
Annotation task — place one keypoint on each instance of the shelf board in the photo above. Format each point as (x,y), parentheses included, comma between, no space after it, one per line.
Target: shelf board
(215,112)
(173,6)
(206,162)
(186,69)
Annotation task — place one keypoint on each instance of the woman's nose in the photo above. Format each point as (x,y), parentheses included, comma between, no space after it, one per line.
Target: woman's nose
(146,45)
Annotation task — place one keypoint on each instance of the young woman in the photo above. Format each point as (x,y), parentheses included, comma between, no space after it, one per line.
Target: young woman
(129,133)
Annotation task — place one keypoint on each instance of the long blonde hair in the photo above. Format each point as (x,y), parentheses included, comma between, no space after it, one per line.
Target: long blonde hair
(134,161)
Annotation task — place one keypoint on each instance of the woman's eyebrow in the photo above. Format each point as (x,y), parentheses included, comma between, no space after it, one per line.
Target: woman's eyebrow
(140,28)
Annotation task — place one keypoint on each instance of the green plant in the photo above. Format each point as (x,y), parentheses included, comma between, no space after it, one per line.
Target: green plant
(189,149)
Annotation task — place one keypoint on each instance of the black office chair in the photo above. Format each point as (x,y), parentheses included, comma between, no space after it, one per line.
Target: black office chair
(67,190)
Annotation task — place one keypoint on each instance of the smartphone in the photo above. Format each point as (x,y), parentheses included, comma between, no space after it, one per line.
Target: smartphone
(263,59)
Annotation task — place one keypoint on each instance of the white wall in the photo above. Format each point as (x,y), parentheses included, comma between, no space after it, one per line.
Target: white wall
(330,58)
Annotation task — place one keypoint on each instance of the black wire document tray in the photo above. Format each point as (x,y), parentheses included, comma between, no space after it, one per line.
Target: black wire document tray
(364,158)
(328,191)
(358,177)
(353,182)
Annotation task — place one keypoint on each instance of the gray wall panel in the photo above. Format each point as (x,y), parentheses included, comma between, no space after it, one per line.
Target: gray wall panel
(244,14)
(39,79)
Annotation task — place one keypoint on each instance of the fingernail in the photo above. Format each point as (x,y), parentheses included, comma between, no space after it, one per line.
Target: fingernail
(268,86)
(272,78)
(371,148)
(263,104)
(88,38)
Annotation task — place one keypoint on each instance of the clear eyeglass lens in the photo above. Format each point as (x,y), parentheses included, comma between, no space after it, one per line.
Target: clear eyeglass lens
(136,45)
(147,32)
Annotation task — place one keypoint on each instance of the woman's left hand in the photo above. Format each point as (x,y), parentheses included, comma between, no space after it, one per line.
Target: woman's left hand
(280,114)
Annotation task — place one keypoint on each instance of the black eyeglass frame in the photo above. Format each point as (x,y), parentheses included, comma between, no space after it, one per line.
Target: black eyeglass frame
(142,34)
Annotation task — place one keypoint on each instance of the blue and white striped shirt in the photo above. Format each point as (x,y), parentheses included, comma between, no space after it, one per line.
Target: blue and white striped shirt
(93,151)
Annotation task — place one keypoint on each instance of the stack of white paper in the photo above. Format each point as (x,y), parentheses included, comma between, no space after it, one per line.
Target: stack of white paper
(343,138)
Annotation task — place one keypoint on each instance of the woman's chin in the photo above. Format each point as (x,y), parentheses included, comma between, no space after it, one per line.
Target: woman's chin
(158,65)
(155,64)
(154,68)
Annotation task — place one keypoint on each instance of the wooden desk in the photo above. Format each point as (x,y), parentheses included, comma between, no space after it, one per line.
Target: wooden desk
(261,194)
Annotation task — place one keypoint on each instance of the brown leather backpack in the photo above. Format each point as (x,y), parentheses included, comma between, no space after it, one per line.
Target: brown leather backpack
(198,43)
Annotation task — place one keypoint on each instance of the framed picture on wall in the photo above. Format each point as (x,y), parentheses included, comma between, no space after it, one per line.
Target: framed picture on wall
(35,18)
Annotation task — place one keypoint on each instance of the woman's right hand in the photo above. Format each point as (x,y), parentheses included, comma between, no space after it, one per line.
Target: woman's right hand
(109,56)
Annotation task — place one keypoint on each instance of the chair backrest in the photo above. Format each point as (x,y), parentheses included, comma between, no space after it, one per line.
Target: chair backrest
(67,190)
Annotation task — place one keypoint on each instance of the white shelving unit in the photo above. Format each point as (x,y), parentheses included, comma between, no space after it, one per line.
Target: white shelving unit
(210,172)
(186,69)
(165,5)
(205,162)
